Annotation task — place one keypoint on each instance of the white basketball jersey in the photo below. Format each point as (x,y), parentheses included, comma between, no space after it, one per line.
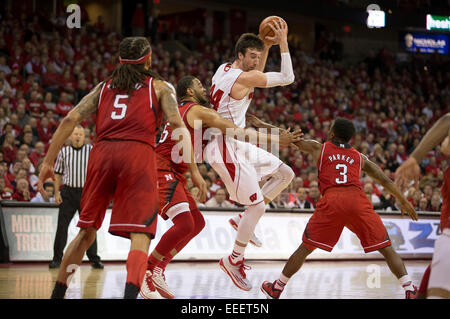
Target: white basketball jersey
(221,100)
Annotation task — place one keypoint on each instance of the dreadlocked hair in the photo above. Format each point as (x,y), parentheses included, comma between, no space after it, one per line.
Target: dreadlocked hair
(127,76)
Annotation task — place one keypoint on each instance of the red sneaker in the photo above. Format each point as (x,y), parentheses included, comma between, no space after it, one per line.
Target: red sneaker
(268,288)
(411,294)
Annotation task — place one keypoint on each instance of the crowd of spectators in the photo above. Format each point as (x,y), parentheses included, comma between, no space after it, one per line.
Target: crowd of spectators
(44,72)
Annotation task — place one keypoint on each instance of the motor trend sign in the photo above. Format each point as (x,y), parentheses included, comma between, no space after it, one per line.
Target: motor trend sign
(30,232)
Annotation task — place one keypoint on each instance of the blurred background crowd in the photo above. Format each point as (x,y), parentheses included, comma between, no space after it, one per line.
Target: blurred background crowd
(46,68)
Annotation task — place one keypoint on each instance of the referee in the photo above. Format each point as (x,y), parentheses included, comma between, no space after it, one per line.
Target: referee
(70,168)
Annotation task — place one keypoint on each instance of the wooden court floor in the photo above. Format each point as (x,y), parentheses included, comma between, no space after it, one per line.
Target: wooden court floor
(205,280)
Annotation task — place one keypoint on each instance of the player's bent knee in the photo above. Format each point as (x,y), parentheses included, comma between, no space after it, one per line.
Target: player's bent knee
(88,234)
(287,172)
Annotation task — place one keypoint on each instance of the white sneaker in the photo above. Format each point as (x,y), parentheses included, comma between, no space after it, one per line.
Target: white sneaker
(236,272)
(234,222)
(159,281)
(148,290)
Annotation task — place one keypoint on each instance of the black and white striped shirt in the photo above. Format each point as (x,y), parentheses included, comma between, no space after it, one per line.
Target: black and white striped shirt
(72,164)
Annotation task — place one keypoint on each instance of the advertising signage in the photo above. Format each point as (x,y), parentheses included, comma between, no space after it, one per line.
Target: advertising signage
(435,22)
(425,43)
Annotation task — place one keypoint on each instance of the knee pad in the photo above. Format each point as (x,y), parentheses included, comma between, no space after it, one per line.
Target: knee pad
(184,223)
(199,222)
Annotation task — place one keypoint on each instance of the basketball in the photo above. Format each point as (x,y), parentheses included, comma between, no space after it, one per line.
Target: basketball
(264,28)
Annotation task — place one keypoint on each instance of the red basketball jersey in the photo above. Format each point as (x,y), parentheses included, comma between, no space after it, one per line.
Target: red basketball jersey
(169,156)
(129,117)
(339,165)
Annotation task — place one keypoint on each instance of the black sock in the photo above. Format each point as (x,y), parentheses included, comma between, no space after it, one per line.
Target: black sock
(131,291)
(59,291)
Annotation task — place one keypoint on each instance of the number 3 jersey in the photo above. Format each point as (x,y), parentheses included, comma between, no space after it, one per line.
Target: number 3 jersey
(339,165)
(220,95)
(134,117)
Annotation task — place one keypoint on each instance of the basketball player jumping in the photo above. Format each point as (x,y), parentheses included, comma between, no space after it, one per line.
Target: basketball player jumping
(231,93)
(436,280)
(175,201)
(344,204)
(122,165)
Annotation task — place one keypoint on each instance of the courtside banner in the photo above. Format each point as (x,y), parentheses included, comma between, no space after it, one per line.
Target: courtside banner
(30,232)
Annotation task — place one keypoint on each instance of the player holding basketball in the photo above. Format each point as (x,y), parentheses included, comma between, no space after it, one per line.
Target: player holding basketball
(344,204)
(436,280)
(122,165)
(231,93)
(175,201)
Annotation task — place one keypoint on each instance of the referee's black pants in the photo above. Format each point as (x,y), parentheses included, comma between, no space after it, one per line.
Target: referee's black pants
(71,202)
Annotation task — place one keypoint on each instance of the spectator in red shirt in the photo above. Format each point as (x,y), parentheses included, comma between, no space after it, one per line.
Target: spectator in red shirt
(432,167)
(22,193)
(38,153)
(9,148)
(64,106)
(48,102)
(51,79)
(5,192)
(44,129)
(314,195)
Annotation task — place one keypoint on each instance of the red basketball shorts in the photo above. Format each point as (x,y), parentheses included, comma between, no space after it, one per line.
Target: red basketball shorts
(124,172)
(345,207)
(174,197)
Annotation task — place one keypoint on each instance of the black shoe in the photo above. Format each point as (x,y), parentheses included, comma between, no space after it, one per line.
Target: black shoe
(54,264)
(97,265)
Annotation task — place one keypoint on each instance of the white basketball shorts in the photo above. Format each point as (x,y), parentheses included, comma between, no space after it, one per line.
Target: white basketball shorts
(241,166)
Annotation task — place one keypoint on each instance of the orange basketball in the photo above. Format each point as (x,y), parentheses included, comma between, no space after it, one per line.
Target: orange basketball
(264,28)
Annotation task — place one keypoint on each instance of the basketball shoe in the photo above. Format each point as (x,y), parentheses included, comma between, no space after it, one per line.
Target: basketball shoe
(236,272)
(234,222)
(268,288)
(159,281)
(409,294)
(148,290)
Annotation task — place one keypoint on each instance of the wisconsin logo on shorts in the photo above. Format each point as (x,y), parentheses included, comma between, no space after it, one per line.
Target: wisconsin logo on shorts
(253,197)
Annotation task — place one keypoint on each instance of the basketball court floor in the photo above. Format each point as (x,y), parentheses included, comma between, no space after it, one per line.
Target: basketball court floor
(318,279)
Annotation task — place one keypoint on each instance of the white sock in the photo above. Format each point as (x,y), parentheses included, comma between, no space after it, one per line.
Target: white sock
(406,283)
(237,254)
(281,282)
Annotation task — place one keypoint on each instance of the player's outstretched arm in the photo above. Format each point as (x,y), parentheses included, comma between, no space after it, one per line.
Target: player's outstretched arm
(167,98)
(199,116)
(85,107)
(372,169)
(410,170)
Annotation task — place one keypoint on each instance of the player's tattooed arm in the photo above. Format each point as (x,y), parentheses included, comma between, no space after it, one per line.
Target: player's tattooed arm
(88,104)
(168,101)
(372,169)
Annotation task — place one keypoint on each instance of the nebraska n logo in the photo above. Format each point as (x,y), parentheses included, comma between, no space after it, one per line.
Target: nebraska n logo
(169,177)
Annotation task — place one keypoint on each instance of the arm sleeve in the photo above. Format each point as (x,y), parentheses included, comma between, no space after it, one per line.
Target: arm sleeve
(285,76)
